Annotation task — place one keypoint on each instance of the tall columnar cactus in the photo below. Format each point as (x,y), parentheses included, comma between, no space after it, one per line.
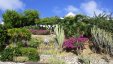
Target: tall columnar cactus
(59,35)
(102,39)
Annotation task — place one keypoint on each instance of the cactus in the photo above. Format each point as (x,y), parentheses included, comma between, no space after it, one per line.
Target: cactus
(102,39)
(59,35)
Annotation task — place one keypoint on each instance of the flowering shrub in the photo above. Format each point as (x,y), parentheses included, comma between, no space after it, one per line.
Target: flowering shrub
(74,43)
(39,32)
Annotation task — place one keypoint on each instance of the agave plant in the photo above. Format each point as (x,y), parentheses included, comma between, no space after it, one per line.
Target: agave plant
(59,35)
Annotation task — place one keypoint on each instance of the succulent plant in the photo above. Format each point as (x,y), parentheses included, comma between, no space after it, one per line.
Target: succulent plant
(59,35)
(102,39)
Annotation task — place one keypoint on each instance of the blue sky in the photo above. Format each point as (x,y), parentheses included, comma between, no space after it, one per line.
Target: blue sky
(48,8)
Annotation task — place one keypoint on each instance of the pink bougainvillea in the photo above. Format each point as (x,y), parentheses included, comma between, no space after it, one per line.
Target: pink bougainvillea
(74,42)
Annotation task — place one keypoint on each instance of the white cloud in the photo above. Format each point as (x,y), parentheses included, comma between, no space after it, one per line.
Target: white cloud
(87,8)
(11,4)
(71,8)
(90,7)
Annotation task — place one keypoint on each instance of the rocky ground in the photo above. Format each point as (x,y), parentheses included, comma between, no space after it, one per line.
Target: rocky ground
(72,59)
(10,63)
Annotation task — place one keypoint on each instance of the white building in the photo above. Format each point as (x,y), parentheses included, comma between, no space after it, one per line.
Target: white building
(70,14)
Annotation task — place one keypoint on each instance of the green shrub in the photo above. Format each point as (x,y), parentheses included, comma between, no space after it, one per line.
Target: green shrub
(33,57)
(20,44)
(103,21)
(27,51)
(19,35)
(2,37)
(17,51)
(7,55)
(34,43)
(21,59)
(11,52)
(74,25)
(30,52)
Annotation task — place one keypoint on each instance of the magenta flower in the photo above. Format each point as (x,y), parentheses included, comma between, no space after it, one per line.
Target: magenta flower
(74,42)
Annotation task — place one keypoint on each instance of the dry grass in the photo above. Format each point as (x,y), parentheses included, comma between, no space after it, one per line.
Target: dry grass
(42,37)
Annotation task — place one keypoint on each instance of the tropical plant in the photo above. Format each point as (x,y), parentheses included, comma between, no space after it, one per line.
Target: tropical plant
(103,21)
(59,35)
(102,40)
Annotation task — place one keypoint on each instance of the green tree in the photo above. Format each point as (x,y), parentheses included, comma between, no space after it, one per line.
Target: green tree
(2,37)
(30,17)
(103,21)
(73,26)
(11,19)
(48,20)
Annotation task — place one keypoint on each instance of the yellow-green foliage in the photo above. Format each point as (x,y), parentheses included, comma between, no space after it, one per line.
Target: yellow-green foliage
(84,59)
(34,42)
(56,61)
(18,34)
(59,35)
(21,59)
(102,38)
(47,49)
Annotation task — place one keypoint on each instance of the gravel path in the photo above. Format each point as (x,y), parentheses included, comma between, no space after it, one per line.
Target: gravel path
(69,59)
(10,63)
(73,59)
